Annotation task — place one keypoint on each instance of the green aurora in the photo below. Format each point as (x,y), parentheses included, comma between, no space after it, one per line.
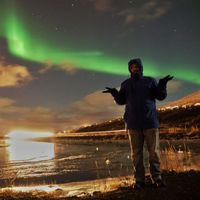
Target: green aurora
(22,43)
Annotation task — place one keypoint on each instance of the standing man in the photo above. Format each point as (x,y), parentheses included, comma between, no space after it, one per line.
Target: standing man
(138,94)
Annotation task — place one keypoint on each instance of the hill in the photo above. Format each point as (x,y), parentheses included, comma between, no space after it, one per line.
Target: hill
(182,115)
(190,99)
(179,117)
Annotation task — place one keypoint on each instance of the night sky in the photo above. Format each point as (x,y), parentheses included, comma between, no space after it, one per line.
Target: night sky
(56,56)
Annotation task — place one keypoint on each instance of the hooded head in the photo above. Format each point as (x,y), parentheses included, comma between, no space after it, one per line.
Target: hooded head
(138,62)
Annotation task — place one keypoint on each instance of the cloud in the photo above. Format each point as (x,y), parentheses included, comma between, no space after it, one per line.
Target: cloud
(94,108)
(46,67)
(134,11)
(4,102)
(65,66)
(14,117)
(14,75)
(149,10)
(174,86)
(103,5)
(68,68)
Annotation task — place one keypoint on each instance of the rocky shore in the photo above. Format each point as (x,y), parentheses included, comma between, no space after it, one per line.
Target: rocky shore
(180,186)
(183,186)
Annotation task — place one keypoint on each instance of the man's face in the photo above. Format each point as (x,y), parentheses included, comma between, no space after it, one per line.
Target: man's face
(134,68)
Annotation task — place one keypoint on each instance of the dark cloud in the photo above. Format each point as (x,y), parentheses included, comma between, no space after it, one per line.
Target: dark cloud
(133,11)
(149,10)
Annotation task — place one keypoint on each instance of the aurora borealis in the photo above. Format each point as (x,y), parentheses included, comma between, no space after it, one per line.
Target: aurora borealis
(21,43)
(97,38)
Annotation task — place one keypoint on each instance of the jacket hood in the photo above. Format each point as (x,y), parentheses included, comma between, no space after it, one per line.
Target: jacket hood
(136,61)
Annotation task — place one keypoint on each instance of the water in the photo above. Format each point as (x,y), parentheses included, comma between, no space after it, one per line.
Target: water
(26,162)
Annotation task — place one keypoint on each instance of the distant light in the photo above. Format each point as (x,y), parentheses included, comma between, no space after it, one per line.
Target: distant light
(107,162)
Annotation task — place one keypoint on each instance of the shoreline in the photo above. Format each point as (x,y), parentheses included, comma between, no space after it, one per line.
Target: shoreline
(122,134)
(182,185)
(173,133)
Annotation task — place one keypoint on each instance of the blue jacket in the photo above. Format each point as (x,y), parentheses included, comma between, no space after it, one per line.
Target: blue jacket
(139,96)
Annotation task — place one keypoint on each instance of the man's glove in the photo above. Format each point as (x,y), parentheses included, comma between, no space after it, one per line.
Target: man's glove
(112,91)
(163,81)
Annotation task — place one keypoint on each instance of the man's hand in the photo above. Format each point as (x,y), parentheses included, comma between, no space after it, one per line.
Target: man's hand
(163,81)
(112,91)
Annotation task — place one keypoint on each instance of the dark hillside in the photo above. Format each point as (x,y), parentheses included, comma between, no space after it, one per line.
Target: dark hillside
(186,117)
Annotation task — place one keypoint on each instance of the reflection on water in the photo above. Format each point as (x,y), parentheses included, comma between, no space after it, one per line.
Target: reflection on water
(62,160)
(22,150)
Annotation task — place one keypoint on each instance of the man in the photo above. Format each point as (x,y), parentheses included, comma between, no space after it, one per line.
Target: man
(138,94)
